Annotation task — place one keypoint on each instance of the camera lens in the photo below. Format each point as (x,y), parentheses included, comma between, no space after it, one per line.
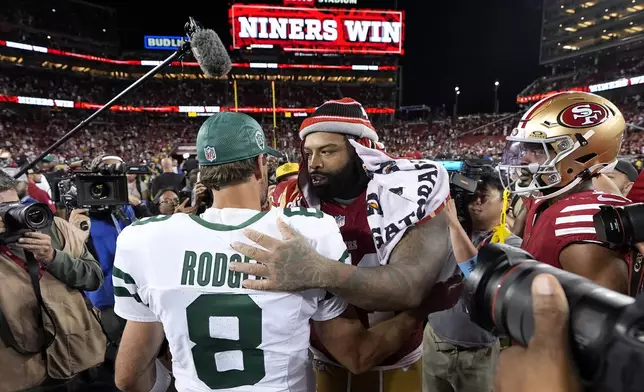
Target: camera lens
(35,217)
(619,226)
(634,215)
(99,190)
(499,299)
(609,225)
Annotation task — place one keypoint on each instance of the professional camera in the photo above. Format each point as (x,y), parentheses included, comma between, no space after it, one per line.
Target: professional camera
(464,177)
(101,188)
(19,219)
(620,225)
(606,328)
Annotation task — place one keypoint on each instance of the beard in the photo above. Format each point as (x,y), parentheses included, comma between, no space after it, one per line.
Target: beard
(345,184)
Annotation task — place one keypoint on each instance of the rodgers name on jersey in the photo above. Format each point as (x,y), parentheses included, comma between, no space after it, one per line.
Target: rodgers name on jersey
(174,270)
(211,270)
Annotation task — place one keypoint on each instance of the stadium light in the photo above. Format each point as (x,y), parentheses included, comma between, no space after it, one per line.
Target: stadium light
(458,93)
(456,88)
(496,83)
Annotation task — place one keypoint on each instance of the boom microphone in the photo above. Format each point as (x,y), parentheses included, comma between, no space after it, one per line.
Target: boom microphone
(210,52)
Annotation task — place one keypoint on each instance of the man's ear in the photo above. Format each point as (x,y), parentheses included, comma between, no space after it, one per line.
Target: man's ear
(261,162)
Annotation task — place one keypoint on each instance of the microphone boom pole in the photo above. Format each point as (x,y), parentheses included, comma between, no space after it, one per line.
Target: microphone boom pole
(182,51)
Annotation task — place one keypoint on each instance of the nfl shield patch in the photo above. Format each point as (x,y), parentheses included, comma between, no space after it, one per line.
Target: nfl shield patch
(340,220)
(210,153)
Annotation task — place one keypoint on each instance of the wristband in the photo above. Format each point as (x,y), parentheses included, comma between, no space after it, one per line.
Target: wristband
(468,266)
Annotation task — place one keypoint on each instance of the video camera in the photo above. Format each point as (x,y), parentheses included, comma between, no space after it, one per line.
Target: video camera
(19,219)
(606,328)
(101,188)
(464,178)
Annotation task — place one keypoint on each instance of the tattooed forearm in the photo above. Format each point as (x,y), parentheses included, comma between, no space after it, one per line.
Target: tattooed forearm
(413,268)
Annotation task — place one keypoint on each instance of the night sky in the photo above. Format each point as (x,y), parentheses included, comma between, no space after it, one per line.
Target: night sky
(469,43)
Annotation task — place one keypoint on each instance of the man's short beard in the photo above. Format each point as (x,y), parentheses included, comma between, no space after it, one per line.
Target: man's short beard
(346,184)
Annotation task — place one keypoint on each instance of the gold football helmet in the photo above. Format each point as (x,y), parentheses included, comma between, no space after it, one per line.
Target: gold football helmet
(561,141)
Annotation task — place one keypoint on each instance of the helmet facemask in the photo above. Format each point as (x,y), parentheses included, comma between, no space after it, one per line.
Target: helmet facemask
(531,165)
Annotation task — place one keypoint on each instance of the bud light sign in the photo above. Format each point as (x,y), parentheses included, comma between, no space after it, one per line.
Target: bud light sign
(162,42)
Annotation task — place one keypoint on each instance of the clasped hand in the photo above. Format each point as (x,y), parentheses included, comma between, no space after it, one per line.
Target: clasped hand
(291,264)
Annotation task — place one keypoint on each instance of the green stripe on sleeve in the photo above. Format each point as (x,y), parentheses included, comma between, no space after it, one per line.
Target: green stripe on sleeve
(124,293)
(127,278)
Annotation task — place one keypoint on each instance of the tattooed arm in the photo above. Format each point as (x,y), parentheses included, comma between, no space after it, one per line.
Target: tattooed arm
(293,265)
(413,268)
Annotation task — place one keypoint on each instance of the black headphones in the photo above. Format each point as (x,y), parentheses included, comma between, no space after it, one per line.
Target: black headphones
(111,169)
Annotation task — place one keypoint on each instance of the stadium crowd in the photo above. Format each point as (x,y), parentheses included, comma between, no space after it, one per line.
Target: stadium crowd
(146,138)
(169,92)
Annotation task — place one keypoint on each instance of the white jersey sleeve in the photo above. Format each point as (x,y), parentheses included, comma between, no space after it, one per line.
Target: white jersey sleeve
(324,235)
(130,296)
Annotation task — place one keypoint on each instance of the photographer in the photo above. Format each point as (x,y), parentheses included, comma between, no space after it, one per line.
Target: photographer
(105,224)
(42,307)
(459,355)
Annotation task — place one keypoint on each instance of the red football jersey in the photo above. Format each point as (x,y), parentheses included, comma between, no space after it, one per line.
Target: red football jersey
(352,220)
(354,227)
(550,229)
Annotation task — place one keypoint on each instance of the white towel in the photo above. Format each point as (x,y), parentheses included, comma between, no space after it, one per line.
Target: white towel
(401,193)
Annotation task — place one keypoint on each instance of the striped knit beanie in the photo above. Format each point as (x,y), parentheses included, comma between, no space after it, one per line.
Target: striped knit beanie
(346,116)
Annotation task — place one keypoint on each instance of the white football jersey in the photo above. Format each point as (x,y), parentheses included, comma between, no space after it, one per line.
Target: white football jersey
(174,270)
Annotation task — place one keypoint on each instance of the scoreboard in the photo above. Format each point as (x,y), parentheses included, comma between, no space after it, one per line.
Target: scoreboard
(305,28)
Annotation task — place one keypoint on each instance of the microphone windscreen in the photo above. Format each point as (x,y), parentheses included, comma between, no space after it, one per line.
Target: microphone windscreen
(210,52)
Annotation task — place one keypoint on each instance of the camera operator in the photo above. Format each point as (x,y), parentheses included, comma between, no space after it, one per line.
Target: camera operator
(41,305)
(106,223)
(458,354)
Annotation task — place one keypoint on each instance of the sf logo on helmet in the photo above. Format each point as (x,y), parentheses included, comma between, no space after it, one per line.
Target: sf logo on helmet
(583,115)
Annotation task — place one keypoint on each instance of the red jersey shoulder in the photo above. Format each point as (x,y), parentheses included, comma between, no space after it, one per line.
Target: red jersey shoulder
(577,210)
(570,220)
(572,216)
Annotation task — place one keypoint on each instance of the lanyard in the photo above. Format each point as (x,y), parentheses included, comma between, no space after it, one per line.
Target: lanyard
(7,252)
(501,231)
(117,224)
